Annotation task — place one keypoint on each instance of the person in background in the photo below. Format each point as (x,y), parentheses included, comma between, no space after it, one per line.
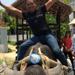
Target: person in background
(73,44)
(67,41)
(35,17)
(67,45)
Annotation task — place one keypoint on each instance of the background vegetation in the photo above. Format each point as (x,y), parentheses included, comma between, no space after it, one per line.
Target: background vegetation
(11,22)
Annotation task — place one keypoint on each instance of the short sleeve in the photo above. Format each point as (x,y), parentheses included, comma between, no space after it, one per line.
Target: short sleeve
(43,8)
(24,15)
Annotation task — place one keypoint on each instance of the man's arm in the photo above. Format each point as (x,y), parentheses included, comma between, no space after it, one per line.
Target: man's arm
(49,3)
(12,9)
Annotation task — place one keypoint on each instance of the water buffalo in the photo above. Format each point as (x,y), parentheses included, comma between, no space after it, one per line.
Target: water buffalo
(50,66)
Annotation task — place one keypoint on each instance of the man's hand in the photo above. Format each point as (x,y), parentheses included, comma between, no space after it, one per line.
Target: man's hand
(12,9)
(0,3)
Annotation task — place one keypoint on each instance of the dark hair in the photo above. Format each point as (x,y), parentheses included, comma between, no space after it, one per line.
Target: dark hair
(35,70)
(67,32)
(23,6)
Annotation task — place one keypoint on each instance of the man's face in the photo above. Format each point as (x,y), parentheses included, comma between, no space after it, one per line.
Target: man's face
(30,5)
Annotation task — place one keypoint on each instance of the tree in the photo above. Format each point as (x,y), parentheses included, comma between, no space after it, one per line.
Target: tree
(64,25)
(10,21)
(66,1)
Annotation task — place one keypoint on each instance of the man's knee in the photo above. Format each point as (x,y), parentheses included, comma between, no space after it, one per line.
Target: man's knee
(57,51)
(22,46)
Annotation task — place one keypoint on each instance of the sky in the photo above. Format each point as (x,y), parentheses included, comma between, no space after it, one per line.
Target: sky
(7,2)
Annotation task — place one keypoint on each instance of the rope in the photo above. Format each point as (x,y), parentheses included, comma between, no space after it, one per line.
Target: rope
(25,58)
(43,62)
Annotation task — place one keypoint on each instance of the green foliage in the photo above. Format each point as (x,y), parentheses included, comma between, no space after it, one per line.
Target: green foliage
(10,21)
(1,11)
(50,18)
(11,42)
(1,61)
(66,1)
(64,28)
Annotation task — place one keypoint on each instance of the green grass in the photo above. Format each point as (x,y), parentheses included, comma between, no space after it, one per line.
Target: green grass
(11,42)
(1,61)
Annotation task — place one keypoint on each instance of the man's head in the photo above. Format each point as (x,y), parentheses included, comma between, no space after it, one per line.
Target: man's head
(67,34)
(30,5)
